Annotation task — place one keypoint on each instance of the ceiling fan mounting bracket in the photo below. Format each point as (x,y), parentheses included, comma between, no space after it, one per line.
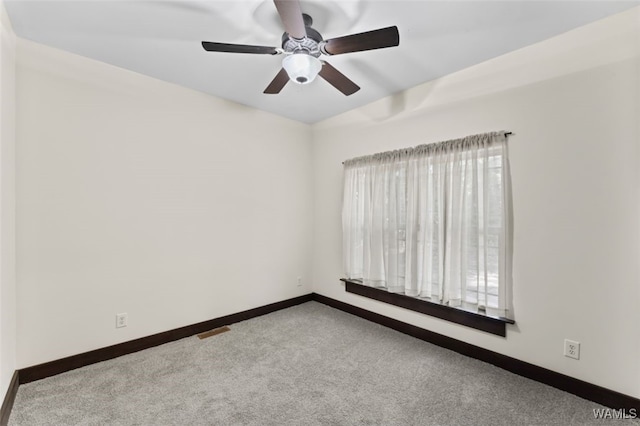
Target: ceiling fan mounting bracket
(307,19)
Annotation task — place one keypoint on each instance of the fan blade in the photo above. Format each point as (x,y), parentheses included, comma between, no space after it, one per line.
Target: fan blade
(291,15)
(376,39)
(211,46)
(337,79)
(277,83)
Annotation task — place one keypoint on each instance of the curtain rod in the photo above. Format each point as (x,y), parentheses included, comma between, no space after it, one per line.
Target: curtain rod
(505,133)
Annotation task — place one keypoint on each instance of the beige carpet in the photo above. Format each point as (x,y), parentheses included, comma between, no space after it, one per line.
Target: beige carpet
(306,365)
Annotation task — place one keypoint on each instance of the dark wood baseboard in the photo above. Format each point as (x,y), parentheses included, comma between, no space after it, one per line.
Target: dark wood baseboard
(560,381)
(9,398)
(52,368)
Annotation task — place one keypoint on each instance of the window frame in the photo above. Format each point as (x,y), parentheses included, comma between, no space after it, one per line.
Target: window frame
(476,316)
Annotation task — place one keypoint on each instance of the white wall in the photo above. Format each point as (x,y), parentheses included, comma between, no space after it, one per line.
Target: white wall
(572,104)
(7,203)
(138,196)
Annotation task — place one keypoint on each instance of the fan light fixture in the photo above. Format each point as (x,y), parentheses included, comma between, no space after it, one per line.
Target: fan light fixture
(302,46)
(301,67)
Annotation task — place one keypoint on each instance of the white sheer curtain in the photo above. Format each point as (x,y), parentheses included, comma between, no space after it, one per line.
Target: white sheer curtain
(432,222)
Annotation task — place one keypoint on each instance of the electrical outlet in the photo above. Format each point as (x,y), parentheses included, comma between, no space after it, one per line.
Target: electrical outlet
(121,320)
(571,349)
(299,281)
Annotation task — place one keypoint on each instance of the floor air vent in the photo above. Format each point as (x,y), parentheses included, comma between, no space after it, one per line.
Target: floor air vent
(213,332)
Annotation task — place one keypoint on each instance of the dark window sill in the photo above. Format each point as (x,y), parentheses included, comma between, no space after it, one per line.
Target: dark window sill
(479,321)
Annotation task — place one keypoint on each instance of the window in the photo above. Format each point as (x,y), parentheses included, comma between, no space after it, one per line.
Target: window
(432,222)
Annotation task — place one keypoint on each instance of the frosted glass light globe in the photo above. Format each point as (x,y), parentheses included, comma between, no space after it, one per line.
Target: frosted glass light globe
(302,68)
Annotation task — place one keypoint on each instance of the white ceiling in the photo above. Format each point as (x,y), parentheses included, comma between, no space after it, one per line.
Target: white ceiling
(162,38)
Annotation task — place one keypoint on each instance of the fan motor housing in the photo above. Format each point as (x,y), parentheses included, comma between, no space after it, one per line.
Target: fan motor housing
(309,44)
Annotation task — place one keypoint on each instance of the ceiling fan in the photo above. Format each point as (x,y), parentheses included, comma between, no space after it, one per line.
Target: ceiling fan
(303,45)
